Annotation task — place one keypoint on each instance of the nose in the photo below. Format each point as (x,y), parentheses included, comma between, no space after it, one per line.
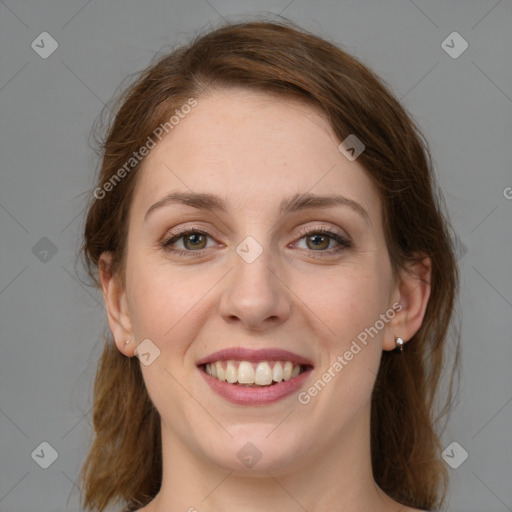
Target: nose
(255,295)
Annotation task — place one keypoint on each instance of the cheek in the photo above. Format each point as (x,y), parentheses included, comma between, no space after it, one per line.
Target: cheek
(348,304)
(167,307)
(165,304)
(346,301)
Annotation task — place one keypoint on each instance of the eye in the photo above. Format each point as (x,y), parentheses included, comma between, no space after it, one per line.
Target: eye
(191,240)
(321,240)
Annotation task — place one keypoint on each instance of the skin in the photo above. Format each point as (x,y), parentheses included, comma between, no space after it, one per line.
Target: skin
(254,150)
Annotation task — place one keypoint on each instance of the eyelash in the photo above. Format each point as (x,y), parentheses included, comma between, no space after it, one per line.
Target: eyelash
(344,243)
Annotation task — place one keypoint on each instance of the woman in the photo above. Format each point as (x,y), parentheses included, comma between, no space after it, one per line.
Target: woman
(270,246)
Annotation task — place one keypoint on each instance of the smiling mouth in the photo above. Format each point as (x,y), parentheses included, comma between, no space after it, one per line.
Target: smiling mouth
(253,374)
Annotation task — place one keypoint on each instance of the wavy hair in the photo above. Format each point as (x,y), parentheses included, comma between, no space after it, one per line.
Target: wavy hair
(125,461)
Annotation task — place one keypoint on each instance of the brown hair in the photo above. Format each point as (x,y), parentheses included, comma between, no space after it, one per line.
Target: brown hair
(124,462)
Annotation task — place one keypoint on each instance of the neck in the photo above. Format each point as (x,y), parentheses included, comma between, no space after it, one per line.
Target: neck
(337,478)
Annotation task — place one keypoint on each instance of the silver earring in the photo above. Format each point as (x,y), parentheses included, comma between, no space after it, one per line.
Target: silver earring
(399,344)
(127,342)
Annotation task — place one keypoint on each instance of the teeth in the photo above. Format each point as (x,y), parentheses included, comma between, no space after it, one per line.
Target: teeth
(247,373)
(277,372)
(231,373)
(264,374)
(221,374)
(287,370)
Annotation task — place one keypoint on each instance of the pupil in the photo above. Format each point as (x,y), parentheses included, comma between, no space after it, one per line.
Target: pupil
(195,239)
(317,240)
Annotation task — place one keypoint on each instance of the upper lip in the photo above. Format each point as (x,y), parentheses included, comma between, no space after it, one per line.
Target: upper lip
(247,354)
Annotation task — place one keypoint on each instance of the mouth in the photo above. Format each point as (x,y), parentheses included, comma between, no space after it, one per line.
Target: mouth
(251,374)
(254,377)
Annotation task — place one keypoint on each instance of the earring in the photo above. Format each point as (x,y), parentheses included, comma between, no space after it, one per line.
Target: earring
(399,344)
(127,342)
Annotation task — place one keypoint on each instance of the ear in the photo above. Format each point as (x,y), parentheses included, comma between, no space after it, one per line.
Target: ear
(412,293)
(117,311)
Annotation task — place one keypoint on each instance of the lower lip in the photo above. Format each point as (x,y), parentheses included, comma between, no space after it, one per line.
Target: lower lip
(242,395)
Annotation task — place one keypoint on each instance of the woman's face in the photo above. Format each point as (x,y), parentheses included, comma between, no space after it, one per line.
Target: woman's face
(256,180)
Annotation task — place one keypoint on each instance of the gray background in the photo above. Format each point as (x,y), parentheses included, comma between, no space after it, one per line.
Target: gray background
(51,324)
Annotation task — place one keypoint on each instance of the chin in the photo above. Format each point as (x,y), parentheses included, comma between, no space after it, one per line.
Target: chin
(256,450)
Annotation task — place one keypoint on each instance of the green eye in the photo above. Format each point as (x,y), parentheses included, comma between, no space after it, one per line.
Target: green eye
(192,241)
(317,240)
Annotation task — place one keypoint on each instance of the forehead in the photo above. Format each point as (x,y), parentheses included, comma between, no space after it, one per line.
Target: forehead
(252,146)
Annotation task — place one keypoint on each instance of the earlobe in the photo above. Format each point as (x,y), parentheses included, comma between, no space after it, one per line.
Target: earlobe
(413,293)
(117,309)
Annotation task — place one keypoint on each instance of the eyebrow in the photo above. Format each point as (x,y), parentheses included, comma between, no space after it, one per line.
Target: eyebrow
(298,202)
